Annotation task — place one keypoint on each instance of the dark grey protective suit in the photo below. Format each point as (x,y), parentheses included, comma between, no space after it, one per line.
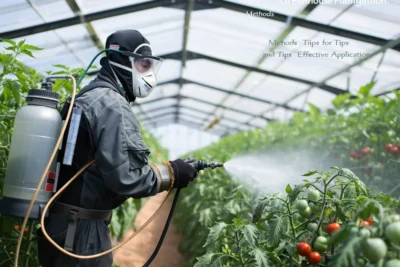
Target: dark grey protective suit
(109,132)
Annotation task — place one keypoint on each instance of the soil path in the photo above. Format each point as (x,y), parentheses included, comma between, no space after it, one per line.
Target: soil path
(136,252)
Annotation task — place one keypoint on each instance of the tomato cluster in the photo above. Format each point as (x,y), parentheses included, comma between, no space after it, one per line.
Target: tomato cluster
(361,153)
(393,149)
(304,249)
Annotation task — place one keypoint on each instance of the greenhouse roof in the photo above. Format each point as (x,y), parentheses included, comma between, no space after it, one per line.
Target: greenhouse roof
(230,60)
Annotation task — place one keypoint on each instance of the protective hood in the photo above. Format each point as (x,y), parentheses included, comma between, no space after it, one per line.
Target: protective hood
(135,69)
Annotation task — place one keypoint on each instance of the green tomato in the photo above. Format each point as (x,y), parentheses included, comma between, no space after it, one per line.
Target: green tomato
(313,195)
(315,207)
(354,231)
(321,244)
(201,172)
(312,227)
(394,218)
(305,213)
(393,263)
(374,249)
(392,232)
(301,219)
(301,205)
(328,211)
(364,233)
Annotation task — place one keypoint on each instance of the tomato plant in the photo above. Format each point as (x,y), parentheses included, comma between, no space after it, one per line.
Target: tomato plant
(15,81)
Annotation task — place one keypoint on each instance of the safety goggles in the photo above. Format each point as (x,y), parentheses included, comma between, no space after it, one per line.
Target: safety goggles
(143,63)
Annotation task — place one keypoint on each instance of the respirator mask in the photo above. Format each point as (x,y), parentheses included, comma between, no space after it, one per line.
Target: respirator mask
(143,69)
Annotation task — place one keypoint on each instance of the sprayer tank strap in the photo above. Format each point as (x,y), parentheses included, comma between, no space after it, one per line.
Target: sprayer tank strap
(74,213)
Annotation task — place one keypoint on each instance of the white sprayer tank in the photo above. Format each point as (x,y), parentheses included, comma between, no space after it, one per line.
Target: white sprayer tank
(36,130)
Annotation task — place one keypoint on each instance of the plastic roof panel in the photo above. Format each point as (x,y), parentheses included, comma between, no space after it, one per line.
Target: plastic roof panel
(197,105)
(91,6)
(281,6)
(246,105)
(164,103)
(280,114)
(161,26)
(170,70)
(353,20)
(19,14)
(258,122)
(215,74)
(200,92)
(276,89)
(231,35)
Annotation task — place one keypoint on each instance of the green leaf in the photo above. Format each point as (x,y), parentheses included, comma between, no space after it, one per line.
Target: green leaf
(11,42)
(295,193)
(310,173)
(207,260)
(250,233)
(259,210)
(31,47)
(288,189)
(338,236)
(275,230)
(365,90)
(260,257)
(215,233)
(28,53)
(348,254)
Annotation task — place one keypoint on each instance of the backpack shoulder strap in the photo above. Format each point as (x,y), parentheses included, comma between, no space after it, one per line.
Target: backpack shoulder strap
(86,89)
(95,85)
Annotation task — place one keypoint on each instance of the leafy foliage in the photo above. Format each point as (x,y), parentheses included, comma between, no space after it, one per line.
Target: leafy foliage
(352,134)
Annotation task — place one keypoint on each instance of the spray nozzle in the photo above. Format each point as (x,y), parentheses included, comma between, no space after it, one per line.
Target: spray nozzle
(201,165)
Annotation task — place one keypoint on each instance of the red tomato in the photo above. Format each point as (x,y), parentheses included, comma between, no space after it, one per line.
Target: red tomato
(314,258)
(398,146)
(395,150)
(388,147)
(303,249)
(369,220)
(332,227)
(17,227)
(366,151)
(353,154)
(365,223)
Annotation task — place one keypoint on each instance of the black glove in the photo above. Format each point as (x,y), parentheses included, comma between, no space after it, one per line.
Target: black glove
(184,173)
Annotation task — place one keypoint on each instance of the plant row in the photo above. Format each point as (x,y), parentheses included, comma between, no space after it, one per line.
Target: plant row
(357,133)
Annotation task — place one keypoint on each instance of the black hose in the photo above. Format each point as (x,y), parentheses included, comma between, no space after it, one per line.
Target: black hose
(164,232)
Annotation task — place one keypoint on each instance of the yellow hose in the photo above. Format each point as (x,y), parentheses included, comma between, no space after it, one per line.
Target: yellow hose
(62,189)
(104,252)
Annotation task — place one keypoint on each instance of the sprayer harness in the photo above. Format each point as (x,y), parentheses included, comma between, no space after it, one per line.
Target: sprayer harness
(75,212)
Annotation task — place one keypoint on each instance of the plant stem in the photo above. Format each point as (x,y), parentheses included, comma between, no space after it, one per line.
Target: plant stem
(29,242)
(291,220)
(239,250)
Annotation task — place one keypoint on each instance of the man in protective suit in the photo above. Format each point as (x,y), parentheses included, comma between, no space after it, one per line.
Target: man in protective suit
(109,133)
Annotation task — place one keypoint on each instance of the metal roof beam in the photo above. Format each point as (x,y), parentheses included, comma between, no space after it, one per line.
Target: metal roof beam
(185,81)
(182,121)
(88,18)
(325,87)
(209,103)
(166,114)
(149,112)
(295,21)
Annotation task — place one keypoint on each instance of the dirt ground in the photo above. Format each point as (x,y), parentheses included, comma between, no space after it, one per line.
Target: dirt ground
(136,252)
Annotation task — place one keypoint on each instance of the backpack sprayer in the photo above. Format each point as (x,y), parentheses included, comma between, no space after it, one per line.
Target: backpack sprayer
(37,136)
